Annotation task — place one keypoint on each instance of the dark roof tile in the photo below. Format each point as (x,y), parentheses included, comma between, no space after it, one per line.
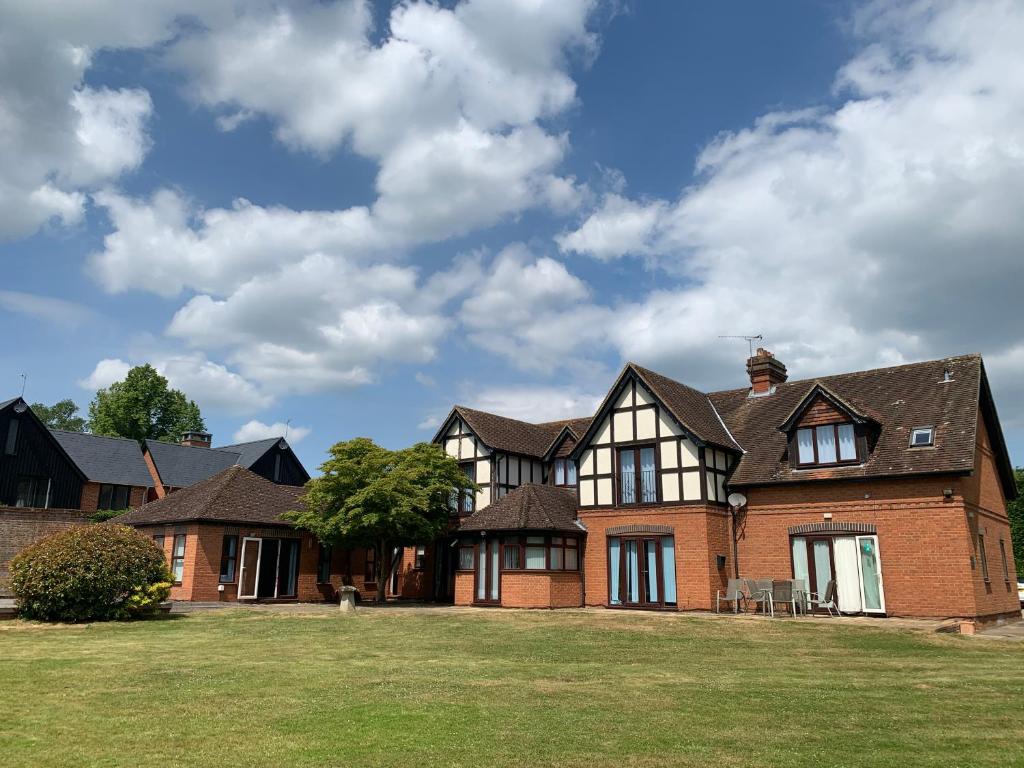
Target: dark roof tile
(105,459)
(529,507)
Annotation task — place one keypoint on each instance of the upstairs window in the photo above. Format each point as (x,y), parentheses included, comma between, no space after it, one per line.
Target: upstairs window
(114,497)
(826,444)
(922,437)
(464,502)
(11,445)
(565,472)
(637,476)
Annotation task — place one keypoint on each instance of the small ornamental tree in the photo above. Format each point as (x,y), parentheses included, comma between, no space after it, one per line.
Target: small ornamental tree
(90,573)
(371,497)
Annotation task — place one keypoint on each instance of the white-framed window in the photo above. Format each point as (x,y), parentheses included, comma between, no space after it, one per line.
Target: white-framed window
(922,437)
(826,444)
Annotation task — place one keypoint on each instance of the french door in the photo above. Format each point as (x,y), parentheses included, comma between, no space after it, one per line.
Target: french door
(487,587)
(852,562)
(269,568)
(641,571)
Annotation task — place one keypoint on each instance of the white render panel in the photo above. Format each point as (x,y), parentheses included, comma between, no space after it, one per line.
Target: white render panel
(643,397)
(587,462)
(483,498)
(623,427)
(720,459)
(483,471)
(691,486)
(668,426)
(604,461)
(625,399)
(670,454)
(690,457)
(586,493)
(451,447)
(502,470)
(604,490)
(468,448)
(670,487)
(454,429)
(604,434)
(645,421)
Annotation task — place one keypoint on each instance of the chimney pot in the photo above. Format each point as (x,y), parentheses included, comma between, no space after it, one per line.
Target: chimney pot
(765,372)
(197,439)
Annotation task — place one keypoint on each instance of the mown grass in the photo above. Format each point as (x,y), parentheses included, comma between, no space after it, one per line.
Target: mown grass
(460,688)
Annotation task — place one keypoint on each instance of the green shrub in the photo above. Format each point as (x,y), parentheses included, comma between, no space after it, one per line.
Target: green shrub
(90,573)
(102,515)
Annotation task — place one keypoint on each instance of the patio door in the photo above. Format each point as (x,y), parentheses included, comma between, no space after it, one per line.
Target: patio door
(852,561)
(642,571)
(488,577)
(248,577)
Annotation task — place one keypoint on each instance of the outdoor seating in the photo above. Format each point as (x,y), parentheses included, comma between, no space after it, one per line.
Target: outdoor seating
(733,594)
(759,591)
(828,602)
(783,593)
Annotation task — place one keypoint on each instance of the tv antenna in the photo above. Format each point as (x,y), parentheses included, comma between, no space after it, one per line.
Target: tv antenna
(24,381)
(287,425)
(749,339)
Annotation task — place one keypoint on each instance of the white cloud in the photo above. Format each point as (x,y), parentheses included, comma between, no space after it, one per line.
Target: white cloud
(210,384)
(106,372)
(59,137)
(536,403)
(257,430)
(882,230)
(45,308)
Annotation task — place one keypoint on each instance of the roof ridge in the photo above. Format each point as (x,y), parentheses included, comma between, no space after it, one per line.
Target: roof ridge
(93,434)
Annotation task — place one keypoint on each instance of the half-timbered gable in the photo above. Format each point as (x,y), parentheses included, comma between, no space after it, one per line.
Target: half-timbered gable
(463,444)
(640,451)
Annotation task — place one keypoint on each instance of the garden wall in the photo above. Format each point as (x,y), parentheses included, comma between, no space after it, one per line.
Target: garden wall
(22,526)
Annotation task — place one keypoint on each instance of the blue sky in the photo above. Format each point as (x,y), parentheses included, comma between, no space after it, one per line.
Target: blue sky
(352,215)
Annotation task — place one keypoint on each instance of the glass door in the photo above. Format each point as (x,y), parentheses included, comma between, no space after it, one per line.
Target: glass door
(872,594)
(487,587)
(642,571)
(248,577)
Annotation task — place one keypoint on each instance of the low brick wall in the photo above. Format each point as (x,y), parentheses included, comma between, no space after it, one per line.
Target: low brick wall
(22,526)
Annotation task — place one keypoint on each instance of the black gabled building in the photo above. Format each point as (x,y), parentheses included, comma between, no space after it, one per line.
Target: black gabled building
(35,470)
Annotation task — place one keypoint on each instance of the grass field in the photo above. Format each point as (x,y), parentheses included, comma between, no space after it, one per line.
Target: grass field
(462,688)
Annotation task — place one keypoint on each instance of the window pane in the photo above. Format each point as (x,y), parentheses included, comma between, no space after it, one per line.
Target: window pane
(805,444)
(465,558)
(668,568)
(627,477)
(559,471)
(984,557)
(481,572)
(556,558)
(648,487)
(651,570)
(570,473)
(632,572)
(826,445)
(106,491)
(493,555)
(536,558)
(1002,552)
(847,443)
(613,572)
(572,561)
(12,438)
(511,556)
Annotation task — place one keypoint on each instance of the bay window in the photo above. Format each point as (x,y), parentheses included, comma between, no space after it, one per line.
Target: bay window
(540,553)
(826,444)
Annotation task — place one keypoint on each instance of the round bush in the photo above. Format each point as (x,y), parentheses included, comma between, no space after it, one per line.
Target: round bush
(91,573)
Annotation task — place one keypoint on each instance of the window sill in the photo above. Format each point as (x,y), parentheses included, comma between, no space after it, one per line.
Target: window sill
(540,571)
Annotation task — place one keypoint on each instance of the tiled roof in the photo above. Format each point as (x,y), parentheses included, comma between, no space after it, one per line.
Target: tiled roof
(501,433)
(182,465)
(234,495)
(529,507)
(691,407)
(898,398)
(104,459)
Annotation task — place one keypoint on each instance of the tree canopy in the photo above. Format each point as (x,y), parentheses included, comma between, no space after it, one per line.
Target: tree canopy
(143,406)
(372,497)
(60,415)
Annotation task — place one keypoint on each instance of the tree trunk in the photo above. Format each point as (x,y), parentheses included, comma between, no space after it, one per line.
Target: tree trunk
(383,571)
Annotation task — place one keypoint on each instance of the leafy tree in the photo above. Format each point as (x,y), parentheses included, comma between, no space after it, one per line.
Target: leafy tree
(1016,511)
(143,406)
(371,497)
(60,415)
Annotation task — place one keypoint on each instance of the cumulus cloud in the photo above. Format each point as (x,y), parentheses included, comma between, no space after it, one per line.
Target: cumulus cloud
(536,403)
(45,308)
(880,230)
(210,384)
(257,430)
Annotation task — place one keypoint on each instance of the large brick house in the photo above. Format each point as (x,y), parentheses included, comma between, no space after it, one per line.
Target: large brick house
(891,482)
(225,540)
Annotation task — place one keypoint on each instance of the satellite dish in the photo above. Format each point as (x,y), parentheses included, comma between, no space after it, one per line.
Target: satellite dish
(737,500)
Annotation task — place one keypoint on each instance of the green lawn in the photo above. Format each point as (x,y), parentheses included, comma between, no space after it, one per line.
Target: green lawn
(459,688)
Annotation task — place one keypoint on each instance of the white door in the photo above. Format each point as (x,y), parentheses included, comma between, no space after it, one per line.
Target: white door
(249,575)
(870,564)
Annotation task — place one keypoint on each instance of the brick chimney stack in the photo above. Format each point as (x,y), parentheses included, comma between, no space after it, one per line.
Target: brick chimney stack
(765,372)
(197,439)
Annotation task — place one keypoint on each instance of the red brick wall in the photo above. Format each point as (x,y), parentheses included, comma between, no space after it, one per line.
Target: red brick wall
(416,583)
(924,540)
(91,497)
(701,533)
(464,588)
(23,526)
(541,589)
(158,488)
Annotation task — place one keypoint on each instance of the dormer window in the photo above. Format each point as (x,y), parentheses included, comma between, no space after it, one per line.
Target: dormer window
(826,444)
(922,437)
(565,472)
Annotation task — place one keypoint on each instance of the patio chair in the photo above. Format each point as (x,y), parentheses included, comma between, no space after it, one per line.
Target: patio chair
(733,594)
(814,600)
(783,594)
(759,591)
